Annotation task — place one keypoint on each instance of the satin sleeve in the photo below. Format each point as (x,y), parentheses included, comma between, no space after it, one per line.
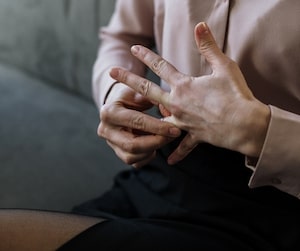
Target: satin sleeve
(279,162)
(131,23)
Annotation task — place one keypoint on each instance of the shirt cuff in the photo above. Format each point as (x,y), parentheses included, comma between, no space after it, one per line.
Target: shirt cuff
(279,162)
(100,93)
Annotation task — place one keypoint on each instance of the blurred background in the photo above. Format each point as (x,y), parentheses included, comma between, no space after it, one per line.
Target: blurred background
(50,155)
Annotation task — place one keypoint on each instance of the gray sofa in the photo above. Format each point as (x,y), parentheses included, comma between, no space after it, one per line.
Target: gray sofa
(50,155)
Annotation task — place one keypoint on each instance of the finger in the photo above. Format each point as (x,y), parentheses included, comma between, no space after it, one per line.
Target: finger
(131,143)
(157,64)
(208,47)
(141,85)
(135,160)
(145,161)
(138,121)
(185,147)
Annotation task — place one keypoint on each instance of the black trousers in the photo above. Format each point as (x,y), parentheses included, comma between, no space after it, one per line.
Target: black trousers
(203,203)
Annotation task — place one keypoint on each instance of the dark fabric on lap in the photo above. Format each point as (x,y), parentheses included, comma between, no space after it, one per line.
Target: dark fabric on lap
(157,235)
(209,188)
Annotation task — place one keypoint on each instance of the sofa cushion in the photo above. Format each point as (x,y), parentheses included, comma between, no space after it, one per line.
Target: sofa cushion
(56,40)
(50,155)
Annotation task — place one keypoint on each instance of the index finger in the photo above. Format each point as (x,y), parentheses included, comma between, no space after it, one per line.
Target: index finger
(157,64)
(145,87)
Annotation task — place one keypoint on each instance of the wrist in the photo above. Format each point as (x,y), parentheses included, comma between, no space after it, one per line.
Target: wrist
(257,124)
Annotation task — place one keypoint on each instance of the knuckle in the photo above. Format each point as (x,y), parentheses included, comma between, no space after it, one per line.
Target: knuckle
(138,122)
(144,87)
(106,111)
(227,65)
(158,65)
(128,159)
(162,129)
(129,147)
(182,79)
(101,130)
(189,144)
(185,147)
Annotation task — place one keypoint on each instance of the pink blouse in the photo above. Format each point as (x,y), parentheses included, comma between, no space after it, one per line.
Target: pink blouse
(263,37)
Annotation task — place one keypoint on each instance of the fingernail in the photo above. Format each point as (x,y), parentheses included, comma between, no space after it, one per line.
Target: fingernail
(202,28)
(174,131)
(135,49)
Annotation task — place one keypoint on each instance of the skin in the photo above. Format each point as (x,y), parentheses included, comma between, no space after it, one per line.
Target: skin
(219,108)
(28,230)
(129,131)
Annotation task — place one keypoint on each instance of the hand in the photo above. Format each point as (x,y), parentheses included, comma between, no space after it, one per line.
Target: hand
(218,109)
(132,134)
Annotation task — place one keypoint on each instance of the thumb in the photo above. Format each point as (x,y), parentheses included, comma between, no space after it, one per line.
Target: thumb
(207,45)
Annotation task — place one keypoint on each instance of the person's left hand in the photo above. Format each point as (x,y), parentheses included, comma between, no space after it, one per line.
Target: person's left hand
(218,109)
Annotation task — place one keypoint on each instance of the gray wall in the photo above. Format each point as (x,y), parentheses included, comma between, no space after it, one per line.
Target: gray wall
(56,40)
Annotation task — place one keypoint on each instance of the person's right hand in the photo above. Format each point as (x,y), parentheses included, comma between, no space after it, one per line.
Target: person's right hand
(129,131)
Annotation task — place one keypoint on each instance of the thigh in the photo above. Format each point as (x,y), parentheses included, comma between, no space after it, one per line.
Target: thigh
(40,230)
